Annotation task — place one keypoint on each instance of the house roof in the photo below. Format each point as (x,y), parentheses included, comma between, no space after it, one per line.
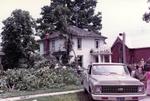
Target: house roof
(83,33)
(76,32)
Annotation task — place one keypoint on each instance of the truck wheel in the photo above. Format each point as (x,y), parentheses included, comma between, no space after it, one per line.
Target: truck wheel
(91,95)
(85,91)
(81,82)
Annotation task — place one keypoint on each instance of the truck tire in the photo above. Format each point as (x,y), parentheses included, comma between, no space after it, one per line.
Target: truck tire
(85,91)
(91,95)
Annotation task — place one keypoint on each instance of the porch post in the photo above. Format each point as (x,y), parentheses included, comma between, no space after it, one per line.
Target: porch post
(99,59)
(110,58)
(103,58)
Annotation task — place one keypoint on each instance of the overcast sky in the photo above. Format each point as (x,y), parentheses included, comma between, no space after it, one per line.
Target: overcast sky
(118,16)
(125,16)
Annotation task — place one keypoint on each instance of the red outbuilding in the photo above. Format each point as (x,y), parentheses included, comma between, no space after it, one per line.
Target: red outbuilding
(133,55)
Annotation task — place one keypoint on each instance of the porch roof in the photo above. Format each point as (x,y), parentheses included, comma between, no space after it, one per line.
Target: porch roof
(103,50)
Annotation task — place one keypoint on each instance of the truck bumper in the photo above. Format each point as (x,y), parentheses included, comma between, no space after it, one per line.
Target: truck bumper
(119,97)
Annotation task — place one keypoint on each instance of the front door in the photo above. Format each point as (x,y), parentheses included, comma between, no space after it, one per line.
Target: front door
(80,60)
(96,59)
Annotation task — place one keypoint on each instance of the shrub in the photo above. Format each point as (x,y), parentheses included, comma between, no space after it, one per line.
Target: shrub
(38,62)
(43,75)
(38,78)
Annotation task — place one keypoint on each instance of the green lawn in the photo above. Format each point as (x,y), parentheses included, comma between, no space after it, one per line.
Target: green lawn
(23,93)
(69,97)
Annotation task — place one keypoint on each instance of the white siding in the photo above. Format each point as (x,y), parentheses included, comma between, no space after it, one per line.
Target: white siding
(87,45)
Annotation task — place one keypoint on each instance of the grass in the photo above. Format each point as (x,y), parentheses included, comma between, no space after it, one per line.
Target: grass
(68,97)
(23,93)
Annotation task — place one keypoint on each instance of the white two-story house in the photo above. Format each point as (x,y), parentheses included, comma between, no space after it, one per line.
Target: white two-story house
(88,46)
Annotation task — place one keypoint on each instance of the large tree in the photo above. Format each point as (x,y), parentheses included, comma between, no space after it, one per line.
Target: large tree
(17,39)
(79,13)
(146,16)
(84,15)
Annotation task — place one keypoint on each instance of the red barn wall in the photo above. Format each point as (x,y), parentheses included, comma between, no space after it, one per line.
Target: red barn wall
(117,52)
(140,53)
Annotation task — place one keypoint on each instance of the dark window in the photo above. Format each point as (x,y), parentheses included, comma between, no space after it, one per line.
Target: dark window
(102,58)
(97,43)
(120,59)
(53,45)
(46,46)
(79,43)
(106,58)
(96,59)
(80,60)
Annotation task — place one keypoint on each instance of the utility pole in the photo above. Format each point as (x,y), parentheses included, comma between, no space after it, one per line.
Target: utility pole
(123,45)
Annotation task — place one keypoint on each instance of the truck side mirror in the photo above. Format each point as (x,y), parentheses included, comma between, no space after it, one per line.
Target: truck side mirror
(89,69)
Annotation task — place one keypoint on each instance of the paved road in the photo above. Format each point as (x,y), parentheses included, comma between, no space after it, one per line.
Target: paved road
(39,95)
(147,98)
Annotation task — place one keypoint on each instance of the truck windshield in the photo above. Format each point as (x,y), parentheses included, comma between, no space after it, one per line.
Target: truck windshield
(109,69)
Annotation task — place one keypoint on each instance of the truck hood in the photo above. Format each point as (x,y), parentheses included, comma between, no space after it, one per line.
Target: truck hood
(115,79)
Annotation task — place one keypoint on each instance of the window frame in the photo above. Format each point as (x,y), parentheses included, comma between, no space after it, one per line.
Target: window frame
(53,45)
(96,43)
(80,57)
(79,43)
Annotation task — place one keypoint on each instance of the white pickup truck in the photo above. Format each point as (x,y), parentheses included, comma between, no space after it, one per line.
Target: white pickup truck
(112,81)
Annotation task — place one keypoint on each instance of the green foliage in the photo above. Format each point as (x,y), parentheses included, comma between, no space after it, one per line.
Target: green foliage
(40,61)
(146,17)
(17,39)
(35,79)
(54,18)
(62,13)
(84,15)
